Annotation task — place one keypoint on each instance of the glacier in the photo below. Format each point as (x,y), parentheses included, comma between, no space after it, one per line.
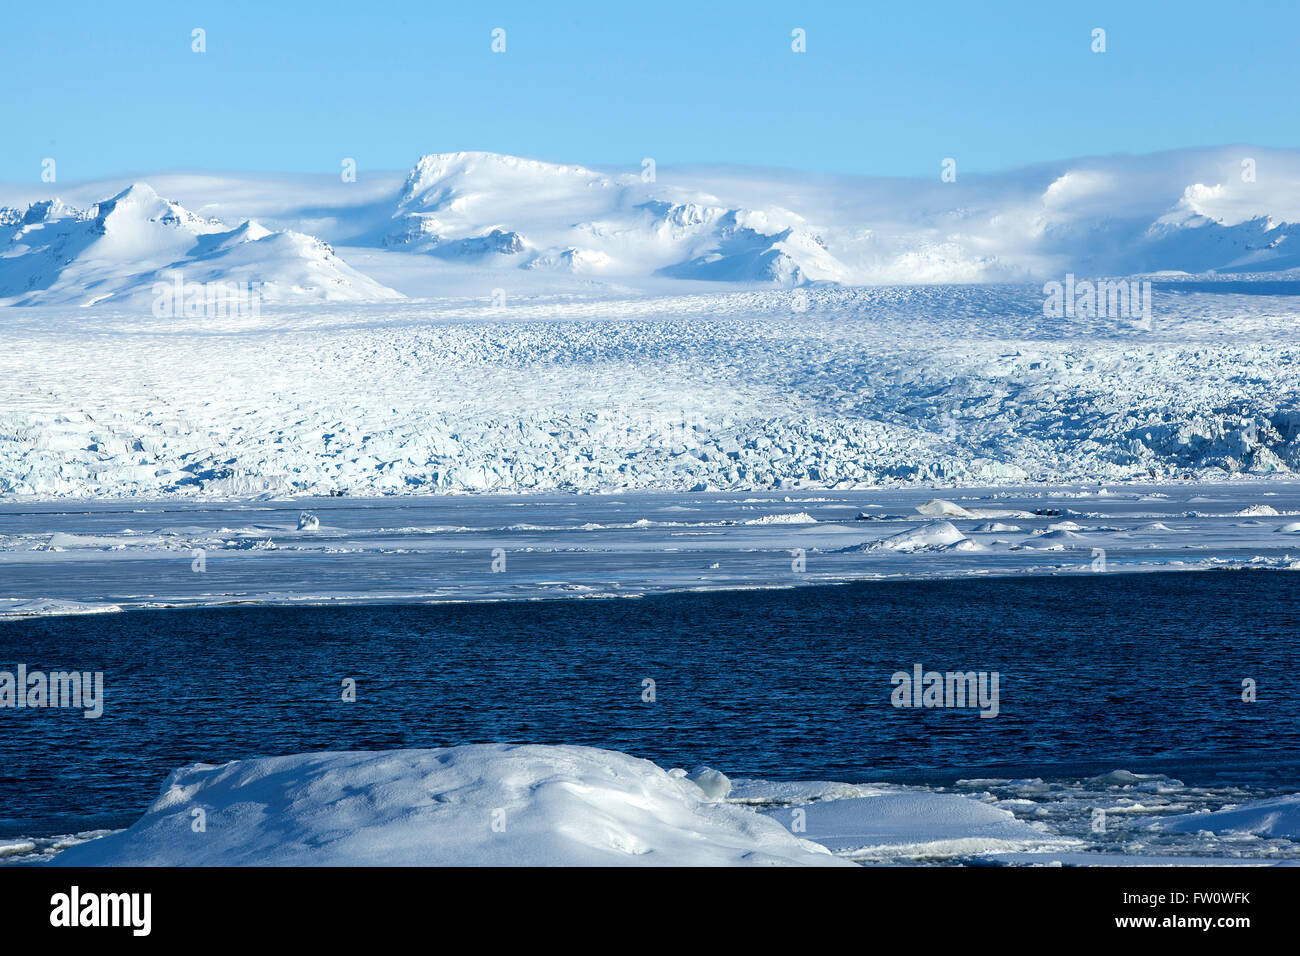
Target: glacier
(722,391)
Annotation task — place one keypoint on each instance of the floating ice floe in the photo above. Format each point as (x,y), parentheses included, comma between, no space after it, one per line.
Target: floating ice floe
(1278,817)
(916,825)
(801,517)
(47,607)
(794,792)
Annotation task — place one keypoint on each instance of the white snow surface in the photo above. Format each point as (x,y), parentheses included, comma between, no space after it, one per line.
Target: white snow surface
(485,804)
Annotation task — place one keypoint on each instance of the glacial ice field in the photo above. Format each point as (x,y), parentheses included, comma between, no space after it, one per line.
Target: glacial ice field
(815,387)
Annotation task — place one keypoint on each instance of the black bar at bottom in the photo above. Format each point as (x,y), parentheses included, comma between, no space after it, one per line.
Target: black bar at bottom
(924,905)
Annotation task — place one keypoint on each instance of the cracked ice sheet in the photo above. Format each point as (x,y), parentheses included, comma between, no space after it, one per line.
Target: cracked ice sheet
(745,390)
(64,557)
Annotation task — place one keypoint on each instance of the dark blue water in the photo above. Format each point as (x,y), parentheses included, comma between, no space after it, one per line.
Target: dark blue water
(1100,672)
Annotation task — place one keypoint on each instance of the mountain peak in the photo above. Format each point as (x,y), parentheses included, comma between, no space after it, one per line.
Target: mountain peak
(139,203)
(447,172)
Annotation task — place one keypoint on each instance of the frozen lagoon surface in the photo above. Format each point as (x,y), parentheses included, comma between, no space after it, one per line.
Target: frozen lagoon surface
(103,556)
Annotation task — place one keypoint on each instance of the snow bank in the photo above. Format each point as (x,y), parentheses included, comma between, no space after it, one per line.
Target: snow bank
(488,804)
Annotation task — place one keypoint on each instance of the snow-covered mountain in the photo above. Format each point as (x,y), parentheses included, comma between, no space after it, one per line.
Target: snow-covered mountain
(518,212)
(1193,211)
(464,223)
(115,252)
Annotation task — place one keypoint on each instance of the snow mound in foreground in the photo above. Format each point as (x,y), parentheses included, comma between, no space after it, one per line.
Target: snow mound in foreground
(1278,817)
(486,804)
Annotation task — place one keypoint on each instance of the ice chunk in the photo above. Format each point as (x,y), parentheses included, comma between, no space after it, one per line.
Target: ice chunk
(915,825)
(936,534)
(801,517)
(715,785)
(1278,817)
(996,527)
(941,507)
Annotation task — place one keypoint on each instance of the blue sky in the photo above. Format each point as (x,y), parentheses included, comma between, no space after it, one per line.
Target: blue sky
(884,87)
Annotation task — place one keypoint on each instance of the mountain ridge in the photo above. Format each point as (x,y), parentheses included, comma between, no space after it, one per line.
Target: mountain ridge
(470,221)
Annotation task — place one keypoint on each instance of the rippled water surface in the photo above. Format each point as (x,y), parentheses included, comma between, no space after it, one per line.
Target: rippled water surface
(1096,673)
